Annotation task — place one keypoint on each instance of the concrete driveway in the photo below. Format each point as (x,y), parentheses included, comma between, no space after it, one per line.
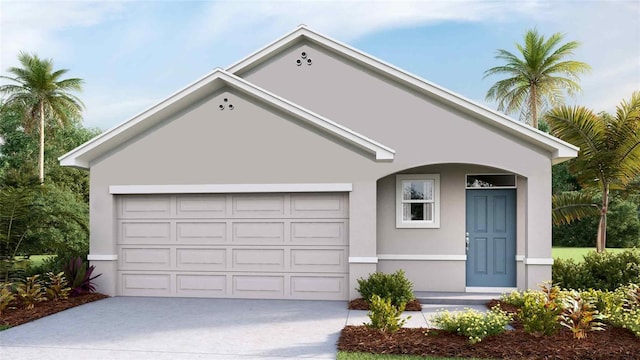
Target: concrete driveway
(179,328)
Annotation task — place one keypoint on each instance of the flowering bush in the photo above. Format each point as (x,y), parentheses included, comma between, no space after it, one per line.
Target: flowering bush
(473,324)
(540,311)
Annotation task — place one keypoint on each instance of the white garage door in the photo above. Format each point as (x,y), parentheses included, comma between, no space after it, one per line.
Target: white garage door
(267,246)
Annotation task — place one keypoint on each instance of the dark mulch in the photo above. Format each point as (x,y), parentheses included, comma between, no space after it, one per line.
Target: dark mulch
(22,315)
(613,343)
(361,304)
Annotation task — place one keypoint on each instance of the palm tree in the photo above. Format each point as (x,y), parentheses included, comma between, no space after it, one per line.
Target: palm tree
(609,157)
(42,95)
(537,78)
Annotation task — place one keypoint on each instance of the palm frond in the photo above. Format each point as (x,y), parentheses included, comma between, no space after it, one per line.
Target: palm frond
(571,206)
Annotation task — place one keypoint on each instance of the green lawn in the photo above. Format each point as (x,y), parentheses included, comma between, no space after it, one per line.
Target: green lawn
(363,356)
(576,253)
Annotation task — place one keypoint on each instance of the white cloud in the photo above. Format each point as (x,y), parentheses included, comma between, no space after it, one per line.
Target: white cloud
(33,26)
(345,20)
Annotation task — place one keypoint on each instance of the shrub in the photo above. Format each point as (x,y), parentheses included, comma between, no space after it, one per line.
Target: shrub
(79,275)
(514,298)
(541,310)
(31,291)
(6,297)
(57,288)
(580,316)
(395,287)
(473,324)
(568,274)
(385,316)
(604,271)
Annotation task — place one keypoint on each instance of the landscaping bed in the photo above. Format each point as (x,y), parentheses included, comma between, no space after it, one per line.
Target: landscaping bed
(612,343)
(21,314)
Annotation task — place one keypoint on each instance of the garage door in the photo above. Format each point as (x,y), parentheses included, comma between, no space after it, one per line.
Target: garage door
(267,246)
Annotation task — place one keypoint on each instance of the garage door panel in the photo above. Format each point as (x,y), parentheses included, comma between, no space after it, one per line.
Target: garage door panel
(258,206)
(319,233)
(319,205)
(263,246)
(318,260)
(145,232)
(201,285)
(258,259)
(205,259)
(257,286)
(145,284)
(258,233)
(318,288)
(210,206)
(145,207)
(201,232)
(145,258)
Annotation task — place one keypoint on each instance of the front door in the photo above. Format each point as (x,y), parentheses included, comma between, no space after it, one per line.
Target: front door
(491,238)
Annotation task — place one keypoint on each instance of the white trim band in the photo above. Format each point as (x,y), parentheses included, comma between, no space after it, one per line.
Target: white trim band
(94,257)
(228,188)
(422,257)
(520,258)
(363,260)
(538,261)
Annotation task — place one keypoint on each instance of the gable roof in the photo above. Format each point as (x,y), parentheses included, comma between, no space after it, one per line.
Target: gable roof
(82,156)
(560,150)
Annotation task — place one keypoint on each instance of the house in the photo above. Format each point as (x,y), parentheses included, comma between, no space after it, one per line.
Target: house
(308,165)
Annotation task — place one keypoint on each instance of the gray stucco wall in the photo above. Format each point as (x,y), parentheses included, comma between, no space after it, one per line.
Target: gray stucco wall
(422,131)
(256,144)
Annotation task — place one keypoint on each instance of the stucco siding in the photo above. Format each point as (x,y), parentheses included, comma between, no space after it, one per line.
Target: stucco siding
(420,129)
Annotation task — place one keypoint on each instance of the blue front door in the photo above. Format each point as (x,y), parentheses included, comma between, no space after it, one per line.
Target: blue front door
(491,238)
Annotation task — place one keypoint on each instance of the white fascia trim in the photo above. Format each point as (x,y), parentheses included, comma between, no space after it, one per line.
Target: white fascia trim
(107,257)
(412,257)
(490,290)
(538,261)
(228,188)
(520,257)
(363,260)
(381,152)
(560,150)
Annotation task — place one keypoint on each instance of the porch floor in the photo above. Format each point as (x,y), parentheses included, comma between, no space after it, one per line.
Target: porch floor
(454,298)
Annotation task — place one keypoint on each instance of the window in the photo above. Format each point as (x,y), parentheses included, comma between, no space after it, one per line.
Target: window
(495,181)
(418,201)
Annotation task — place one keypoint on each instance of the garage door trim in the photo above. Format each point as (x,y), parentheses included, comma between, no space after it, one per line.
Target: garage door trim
(228,188)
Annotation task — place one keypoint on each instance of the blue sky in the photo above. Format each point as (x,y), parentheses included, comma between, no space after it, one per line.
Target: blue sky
(133,54)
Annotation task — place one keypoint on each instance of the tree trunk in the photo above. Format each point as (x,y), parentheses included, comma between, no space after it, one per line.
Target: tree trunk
(41,157)
(601,240)
(533,107)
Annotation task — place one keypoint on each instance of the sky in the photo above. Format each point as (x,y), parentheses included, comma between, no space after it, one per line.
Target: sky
(133,54)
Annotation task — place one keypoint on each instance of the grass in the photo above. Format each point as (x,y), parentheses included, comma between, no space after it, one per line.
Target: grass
(35,260)
(364,356)
(576,254)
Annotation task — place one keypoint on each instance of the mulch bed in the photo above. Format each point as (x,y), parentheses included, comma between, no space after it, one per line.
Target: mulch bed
(22,315)
(613,343)
(361,304)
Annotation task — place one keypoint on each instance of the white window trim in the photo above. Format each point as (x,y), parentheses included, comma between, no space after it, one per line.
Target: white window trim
(400,223)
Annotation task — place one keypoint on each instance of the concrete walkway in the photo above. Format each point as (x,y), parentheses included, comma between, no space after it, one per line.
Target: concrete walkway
(179,328)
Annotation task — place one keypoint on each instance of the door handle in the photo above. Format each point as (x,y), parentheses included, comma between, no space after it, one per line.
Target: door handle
(466,242)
